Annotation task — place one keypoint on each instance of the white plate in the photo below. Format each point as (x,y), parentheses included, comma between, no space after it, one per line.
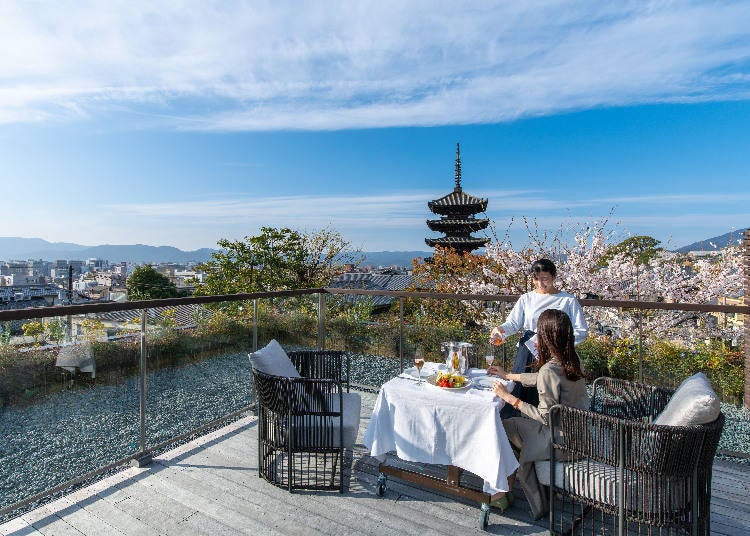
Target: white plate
(486,381)
(433,378)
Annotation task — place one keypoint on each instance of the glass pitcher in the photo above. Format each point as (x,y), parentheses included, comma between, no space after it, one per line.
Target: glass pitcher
(464,351)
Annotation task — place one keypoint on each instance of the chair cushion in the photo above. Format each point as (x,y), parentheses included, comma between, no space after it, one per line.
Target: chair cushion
(598,481)
(272,359)
(303,425)
(694,402)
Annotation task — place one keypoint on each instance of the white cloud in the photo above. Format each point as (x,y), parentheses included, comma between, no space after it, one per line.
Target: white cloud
(678,199)
(324,65)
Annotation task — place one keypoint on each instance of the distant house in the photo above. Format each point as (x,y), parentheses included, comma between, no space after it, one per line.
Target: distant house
(373,281)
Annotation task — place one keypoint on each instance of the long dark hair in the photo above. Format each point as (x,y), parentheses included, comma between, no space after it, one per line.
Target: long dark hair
(556,340)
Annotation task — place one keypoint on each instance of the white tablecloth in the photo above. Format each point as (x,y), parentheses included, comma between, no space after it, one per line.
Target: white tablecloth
(427,424)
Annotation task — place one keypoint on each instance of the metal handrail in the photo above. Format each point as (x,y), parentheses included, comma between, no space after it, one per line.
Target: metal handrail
(63,310)
(144,451)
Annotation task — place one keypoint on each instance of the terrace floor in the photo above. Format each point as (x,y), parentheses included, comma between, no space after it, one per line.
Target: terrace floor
(211,486)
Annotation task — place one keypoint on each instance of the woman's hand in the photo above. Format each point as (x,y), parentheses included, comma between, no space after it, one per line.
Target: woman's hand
(499,389)
(497,336)
(494,370)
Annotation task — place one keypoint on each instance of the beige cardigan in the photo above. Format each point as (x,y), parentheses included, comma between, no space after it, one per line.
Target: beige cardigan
(554,388)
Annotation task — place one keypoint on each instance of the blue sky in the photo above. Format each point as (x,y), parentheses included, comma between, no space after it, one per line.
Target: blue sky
(122,122)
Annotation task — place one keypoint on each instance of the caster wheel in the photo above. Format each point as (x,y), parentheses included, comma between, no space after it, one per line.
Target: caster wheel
(381,486)
(484,517)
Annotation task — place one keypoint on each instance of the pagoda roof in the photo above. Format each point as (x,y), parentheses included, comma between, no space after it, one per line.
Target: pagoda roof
(457,199)
(454,241)
(470,224)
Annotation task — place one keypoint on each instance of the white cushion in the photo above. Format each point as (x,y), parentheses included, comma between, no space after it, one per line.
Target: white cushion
(598,481)
(272,359)
(694,402)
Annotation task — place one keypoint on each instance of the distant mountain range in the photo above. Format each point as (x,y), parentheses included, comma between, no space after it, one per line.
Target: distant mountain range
(36,248)
(714,244)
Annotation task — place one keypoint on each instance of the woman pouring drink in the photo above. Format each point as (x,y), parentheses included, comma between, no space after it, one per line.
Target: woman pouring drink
(524,316)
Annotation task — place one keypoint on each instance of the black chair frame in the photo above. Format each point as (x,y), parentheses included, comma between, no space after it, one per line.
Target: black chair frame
(297,420)
(663,473)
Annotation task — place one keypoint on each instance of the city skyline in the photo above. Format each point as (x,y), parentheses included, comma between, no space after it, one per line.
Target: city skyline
(128,124)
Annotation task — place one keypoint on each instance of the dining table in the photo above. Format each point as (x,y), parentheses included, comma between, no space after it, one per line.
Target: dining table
(459,428)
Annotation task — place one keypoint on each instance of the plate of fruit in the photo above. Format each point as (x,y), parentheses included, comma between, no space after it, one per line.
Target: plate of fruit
(450,380)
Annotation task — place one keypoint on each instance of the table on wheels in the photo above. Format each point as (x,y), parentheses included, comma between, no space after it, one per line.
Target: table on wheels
(460,429)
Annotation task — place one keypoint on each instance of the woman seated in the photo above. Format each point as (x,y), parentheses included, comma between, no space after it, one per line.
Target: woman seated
(559,380)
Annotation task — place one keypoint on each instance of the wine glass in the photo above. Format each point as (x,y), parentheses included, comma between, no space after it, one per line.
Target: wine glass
(490,359)
(419,363)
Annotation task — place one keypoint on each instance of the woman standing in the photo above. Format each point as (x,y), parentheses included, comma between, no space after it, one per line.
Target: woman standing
(524,316)
(559,380)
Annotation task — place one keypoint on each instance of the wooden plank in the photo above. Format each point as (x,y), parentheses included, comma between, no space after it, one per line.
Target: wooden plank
(445,526)
(124,521)
(75,514)
(237,495)
(47,521)
(210,485)
(18,527)
(239,513)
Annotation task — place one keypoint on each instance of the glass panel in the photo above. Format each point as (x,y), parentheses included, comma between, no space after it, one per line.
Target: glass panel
(198,368)
(293,322)
(430,323)
(368,328)
(68,400)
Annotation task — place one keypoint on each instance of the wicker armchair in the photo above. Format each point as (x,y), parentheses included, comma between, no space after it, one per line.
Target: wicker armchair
(611,467)
(305,424)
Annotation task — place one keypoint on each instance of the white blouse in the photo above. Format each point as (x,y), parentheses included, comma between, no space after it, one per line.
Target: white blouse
(526,311)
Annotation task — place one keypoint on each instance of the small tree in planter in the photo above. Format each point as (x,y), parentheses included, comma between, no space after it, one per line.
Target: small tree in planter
(33,329)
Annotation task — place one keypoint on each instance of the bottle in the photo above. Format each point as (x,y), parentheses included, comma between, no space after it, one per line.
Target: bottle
(455,362)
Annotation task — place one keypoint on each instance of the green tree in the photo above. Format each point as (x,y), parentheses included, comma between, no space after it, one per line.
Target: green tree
(145,283)
(56,330)
(276,259)
(640,248)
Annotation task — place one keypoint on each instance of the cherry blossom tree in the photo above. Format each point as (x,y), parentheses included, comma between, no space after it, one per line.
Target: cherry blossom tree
(589,265)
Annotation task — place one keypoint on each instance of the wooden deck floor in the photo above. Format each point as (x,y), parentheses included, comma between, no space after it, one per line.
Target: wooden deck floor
(211,486)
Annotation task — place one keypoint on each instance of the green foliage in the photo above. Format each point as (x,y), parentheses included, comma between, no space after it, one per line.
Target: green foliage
(640,248)
(56,330)
(92,328)
(666,363)
(5,334)
(276,259)
(350,325)
(33,329)
(145,283)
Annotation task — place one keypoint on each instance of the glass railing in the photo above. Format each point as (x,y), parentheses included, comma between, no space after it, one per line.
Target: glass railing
(94,386)
(70,402)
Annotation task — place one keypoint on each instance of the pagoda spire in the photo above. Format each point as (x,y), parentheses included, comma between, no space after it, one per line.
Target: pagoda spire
(458,168)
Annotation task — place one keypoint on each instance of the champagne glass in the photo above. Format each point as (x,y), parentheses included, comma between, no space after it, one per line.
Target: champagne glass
(419,363)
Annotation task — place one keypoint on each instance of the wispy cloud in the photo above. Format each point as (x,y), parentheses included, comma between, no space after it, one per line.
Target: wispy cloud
(220,66)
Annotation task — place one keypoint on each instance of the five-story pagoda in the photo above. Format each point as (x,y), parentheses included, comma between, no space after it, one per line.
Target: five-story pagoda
(457,221)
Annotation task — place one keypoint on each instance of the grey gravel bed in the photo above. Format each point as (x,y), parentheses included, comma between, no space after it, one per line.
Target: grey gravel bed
(80,429)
